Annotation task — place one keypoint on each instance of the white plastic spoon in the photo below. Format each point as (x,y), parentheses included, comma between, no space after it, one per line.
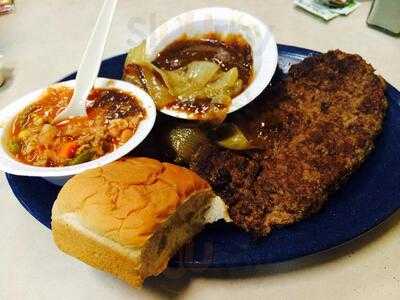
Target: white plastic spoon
(90,64)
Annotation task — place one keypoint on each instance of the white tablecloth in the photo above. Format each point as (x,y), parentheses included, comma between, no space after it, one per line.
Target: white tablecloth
(43,40)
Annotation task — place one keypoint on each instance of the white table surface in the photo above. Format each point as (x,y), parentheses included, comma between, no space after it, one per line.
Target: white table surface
(43,40)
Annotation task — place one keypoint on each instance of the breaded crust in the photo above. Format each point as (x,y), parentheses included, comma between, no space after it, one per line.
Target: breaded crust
(317,126)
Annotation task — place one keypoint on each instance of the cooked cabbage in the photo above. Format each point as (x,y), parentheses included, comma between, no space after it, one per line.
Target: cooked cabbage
(199,80)
(199,73)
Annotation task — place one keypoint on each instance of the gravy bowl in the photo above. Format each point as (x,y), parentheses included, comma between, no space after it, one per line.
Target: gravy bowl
(222,21)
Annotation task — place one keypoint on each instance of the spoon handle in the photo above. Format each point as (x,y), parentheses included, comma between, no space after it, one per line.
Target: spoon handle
(90,64)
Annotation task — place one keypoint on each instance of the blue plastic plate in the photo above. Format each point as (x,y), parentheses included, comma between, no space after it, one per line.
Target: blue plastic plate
(370,196)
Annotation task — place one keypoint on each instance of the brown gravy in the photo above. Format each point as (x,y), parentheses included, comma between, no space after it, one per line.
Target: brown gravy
(117,103)
(227,51)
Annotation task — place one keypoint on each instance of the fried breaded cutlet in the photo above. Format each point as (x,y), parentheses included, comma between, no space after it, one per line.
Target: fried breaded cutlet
(317,126)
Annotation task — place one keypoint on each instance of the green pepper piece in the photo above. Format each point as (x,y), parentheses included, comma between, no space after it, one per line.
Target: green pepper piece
(13,146)
(231,137)
(184,141)
(82,157)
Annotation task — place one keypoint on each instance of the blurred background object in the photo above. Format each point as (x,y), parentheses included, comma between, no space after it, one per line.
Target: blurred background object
(385,14)
(2,76)
(328,9)
(335,3)
(6,6)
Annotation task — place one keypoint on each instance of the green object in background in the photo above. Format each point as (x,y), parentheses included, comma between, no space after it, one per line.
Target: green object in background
(385,14)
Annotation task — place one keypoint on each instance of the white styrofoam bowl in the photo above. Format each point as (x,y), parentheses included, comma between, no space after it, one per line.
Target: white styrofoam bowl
(59,175)
(223,21)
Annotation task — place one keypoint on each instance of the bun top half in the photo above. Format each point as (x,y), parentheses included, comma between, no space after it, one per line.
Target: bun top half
(127,201)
